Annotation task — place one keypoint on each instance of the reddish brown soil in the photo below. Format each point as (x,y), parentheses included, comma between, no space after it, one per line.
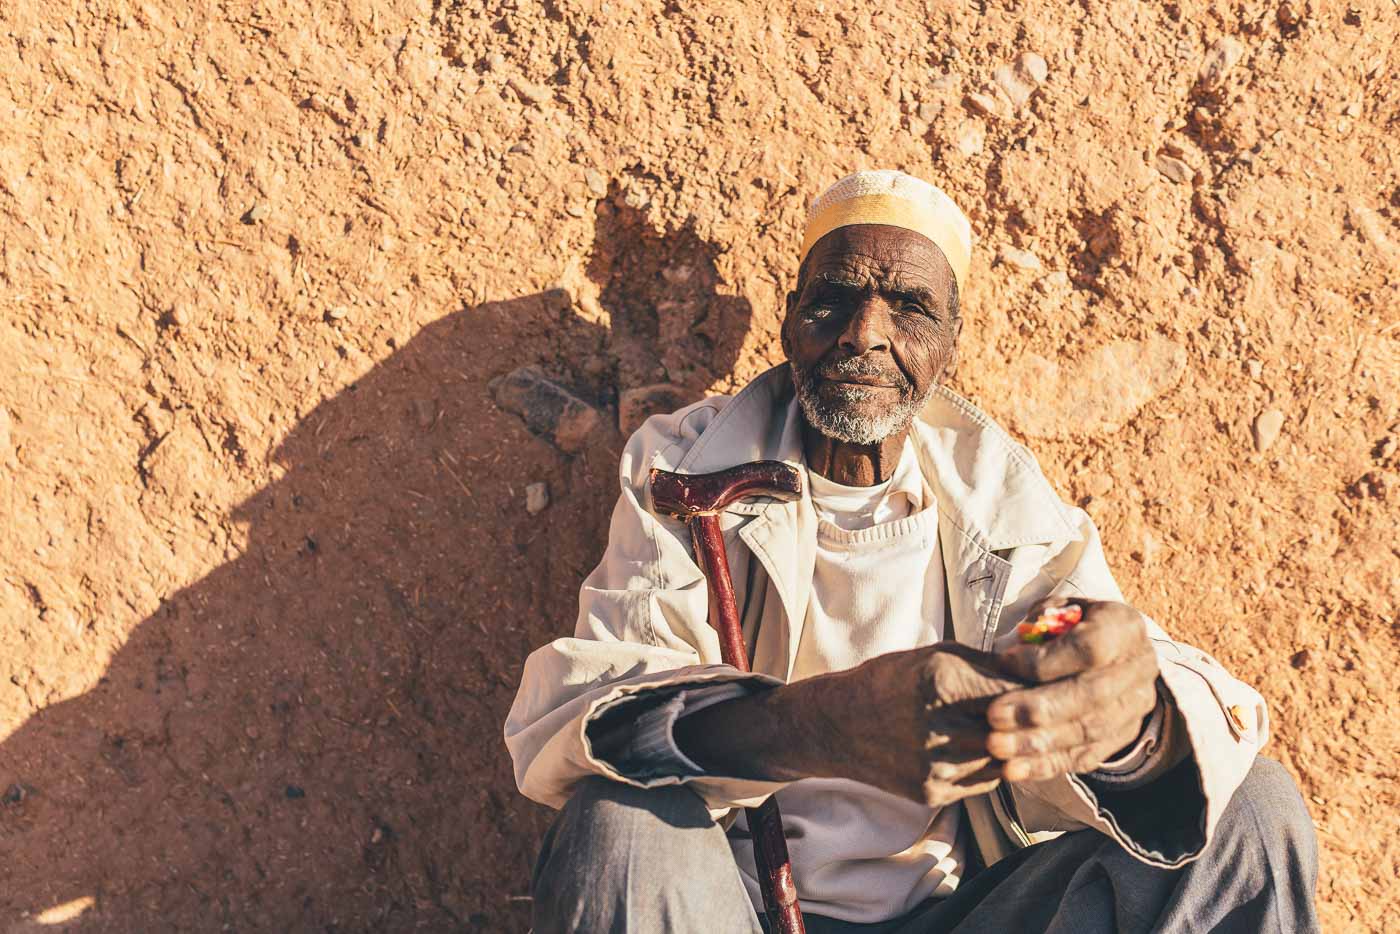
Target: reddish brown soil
(266,574)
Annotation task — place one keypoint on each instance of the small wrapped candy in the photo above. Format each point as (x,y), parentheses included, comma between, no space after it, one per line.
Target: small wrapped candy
(1054,621)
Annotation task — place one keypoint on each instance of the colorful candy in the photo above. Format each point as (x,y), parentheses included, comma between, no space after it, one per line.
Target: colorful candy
(1054,621)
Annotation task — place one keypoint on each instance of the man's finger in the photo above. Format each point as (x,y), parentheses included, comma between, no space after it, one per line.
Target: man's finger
(1110,631)
(1058,737)
(1127,685)
(1076,760)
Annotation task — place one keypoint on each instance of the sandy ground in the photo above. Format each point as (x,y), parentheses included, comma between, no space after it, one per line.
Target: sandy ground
(267,575)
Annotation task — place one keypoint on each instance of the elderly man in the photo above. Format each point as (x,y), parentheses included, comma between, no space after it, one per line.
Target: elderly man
(933,774)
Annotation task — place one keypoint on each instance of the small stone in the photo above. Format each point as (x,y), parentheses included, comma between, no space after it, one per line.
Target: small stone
(180,314)
(472,139)
(1352,110)
(14,794)
(635,406)
(522,148)
(597,183)
(928,111)
(534,93)
(156,420)
(257,213)
(945,81)
(495,62)
(1021,259)
(294,792)
(1150,547)
(987,104)
(1266,429)
(1175,169)
(1032,66)
(1098,484)
(1300,659)
(548,409)
(1220,58)
(1057,281)
(1255,368)
(336,313)
(971,137)
(536,498)
(396,43)
(1018,89)
(1372,229)
(251,731)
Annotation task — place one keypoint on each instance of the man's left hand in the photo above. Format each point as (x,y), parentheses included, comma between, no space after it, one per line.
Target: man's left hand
(1093,688)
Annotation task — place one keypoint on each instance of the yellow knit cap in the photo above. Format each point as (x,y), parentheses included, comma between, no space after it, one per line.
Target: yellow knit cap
(899,200)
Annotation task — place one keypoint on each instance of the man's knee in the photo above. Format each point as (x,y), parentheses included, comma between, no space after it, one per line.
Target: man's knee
(606,823)
(1269,807)
(608,806)
(621,858)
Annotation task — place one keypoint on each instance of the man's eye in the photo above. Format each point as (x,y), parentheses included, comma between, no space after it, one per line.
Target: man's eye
(914,308)
(818,312)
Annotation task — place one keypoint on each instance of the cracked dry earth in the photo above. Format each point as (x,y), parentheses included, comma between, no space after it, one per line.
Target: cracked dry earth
(267,571)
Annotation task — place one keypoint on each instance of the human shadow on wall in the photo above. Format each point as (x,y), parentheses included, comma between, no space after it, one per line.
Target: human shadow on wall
(309,738)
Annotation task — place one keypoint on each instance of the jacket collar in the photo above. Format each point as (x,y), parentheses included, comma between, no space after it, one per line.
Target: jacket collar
(986,484)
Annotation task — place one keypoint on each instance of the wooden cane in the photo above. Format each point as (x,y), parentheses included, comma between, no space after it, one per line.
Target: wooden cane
(698,500)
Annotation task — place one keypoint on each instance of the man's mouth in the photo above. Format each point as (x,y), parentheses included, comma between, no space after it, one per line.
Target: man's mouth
(867,382)
(870,377)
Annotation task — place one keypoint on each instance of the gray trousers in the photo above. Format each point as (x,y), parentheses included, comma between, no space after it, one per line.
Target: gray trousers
(620,859)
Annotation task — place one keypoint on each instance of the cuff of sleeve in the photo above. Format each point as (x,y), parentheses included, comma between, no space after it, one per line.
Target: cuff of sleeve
(651,752)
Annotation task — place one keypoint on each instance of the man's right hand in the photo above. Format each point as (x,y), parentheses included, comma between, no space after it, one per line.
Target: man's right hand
(913,723)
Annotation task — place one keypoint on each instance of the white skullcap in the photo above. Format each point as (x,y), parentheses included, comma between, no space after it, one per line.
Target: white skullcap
(898,200)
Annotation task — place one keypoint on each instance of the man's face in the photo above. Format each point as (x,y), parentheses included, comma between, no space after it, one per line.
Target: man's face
(869,330)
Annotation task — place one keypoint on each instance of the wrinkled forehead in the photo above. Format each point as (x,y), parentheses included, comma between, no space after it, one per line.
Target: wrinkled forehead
(879,255)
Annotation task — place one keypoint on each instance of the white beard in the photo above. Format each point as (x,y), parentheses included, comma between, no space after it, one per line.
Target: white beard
(854,429)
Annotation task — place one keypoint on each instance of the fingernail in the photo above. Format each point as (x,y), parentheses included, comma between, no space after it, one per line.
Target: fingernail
(1017,770)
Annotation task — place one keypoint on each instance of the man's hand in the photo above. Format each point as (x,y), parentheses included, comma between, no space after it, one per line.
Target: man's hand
(1093,688)
(920,729)
(913,723)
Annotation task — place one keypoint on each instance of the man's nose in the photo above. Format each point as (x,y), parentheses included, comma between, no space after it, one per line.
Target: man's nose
(868,328)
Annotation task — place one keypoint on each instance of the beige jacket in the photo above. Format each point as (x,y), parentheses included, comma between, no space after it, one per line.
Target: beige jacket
(1007,541)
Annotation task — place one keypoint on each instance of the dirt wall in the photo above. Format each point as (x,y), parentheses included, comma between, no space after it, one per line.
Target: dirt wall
(267,574)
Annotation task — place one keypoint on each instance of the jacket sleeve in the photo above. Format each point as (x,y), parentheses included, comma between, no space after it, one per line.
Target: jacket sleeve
(1169,822)
(642,625)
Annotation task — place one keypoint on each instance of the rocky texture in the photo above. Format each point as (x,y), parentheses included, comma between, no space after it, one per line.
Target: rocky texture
(226,507)
(549,410)
(1093,395)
